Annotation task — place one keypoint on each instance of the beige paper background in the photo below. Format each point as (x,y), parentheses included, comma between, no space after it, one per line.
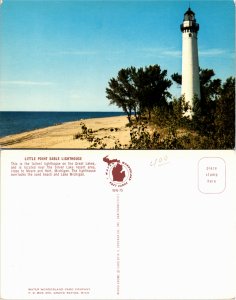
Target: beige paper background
(175,241)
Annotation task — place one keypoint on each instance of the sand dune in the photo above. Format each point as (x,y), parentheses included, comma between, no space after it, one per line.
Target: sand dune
(105,130)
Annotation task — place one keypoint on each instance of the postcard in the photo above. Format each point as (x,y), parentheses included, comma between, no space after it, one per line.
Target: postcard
(117,135)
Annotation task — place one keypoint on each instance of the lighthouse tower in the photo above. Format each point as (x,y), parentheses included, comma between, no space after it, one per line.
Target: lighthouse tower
(190,64)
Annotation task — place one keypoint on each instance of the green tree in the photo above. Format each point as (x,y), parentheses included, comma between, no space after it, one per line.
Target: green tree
(172,115)
(204,108)
(210,90)
(225,116)
(214,113)
(154,88)
(121,92)
(176,77)
(139,90)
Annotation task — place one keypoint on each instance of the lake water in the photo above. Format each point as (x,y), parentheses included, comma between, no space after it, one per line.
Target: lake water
(17,122)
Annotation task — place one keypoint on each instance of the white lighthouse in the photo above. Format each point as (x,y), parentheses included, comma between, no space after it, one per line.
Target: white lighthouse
(190,64)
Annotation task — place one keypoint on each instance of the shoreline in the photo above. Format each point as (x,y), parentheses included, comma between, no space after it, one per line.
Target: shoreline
(106,130)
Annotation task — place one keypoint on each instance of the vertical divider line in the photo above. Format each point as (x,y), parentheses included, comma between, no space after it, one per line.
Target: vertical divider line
(117,244)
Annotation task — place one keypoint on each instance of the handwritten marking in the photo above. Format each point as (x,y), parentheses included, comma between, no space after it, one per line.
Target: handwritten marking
(160,161)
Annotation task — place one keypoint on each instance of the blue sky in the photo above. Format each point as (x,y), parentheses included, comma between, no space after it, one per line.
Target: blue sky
(60,55)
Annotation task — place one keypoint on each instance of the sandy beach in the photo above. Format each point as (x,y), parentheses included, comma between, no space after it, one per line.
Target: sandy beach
(68,135)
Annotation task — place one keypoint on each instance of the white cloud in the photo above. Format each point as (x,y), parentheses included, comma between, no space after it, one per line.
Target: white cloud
(162,52)
(76,52)
(213,52)
(151,51)
(88,52)
(173,53)
(25,83)
(75,95)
